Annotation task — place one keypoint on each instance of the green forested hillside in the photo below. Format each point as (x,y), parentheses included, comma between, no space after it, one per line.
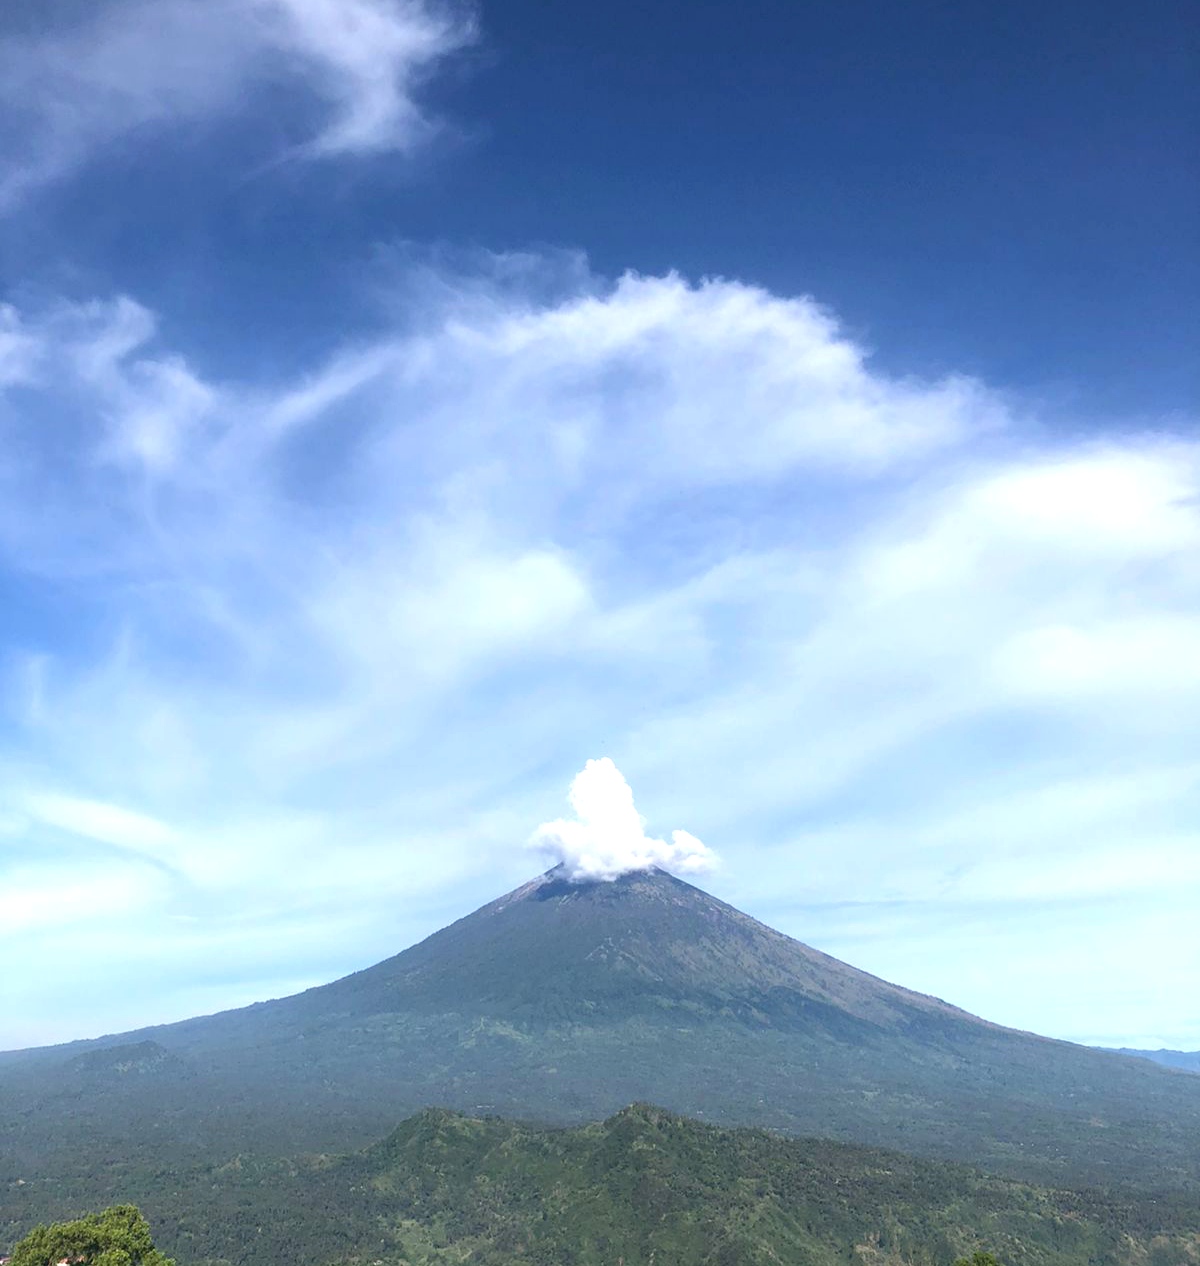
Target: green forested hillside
(644,1187)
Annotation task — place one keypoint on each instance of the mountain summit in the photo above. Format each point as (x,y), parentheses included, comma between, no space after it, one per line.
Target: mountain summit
(563,1001)
(645,944)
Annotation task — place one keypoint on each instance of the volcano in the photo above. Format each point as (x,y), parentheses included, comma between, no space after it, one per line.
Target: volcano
(563,1001)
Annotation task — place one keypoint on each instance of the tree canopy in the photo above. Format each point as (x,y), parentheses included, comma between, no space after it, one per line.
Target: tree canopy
(119,1236)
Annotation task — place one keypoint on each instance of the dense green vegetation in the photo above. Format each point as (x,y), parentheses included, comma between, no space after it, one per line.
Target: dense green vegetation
(644,1187)
(561,1003)
(119,1236)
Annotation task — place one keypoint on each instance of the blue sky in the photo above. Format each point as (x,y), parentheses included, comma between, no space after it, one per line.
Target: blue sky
(404,404)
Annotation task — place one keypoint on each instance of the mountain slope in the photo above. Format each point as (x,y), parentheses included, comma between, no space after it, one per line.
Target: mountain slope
(646,944)
(563,1001)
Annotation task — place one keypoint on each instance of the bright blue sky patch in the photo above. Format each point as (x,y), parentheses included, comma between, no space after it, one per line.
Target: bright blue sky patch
(402,404)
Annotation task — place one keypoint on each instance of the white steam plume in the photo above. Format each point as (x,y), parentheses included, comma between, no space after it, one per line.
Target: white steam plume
(607,837)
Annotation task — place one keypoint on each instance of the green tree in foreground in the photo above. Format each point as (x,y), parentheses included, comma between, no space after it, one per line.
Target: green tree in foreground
(978,1258)
(119,1236)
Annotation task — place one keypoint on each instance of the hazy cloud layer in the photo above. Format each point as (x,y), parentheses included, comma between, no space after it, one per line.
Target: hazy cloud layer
(301,664)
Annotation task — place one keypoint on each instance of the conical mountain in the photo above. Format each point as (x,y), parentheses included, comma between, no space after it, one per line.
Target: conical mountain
(645,944)
(563,1001)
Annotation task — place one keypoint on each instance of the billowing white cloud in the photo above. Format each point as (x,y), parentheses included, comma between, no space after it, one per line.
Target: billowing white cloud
(142,65)
(607,836)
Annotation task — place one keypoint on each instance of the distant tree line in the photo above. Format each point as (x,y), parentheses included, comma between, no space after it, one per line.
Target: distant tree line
(120,1236)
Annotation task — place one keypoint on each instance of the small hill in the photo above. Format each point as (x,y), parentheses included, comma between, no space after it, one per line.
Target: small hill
(648,1185)
(135,1060)
(643,1187)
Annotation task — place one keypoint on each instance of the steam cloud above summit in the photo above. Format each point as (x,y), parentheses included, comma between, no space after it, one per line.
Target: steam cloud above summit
(607,837)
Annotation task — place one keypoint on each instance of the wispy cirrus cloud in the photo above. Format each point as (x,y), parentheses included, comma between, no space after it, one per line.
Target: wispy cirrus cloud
(348,636)
(128,69)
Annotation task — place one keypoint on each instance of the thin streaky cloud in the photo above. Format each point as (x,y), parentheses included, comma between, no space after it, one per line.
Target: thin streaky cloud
(132,69)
